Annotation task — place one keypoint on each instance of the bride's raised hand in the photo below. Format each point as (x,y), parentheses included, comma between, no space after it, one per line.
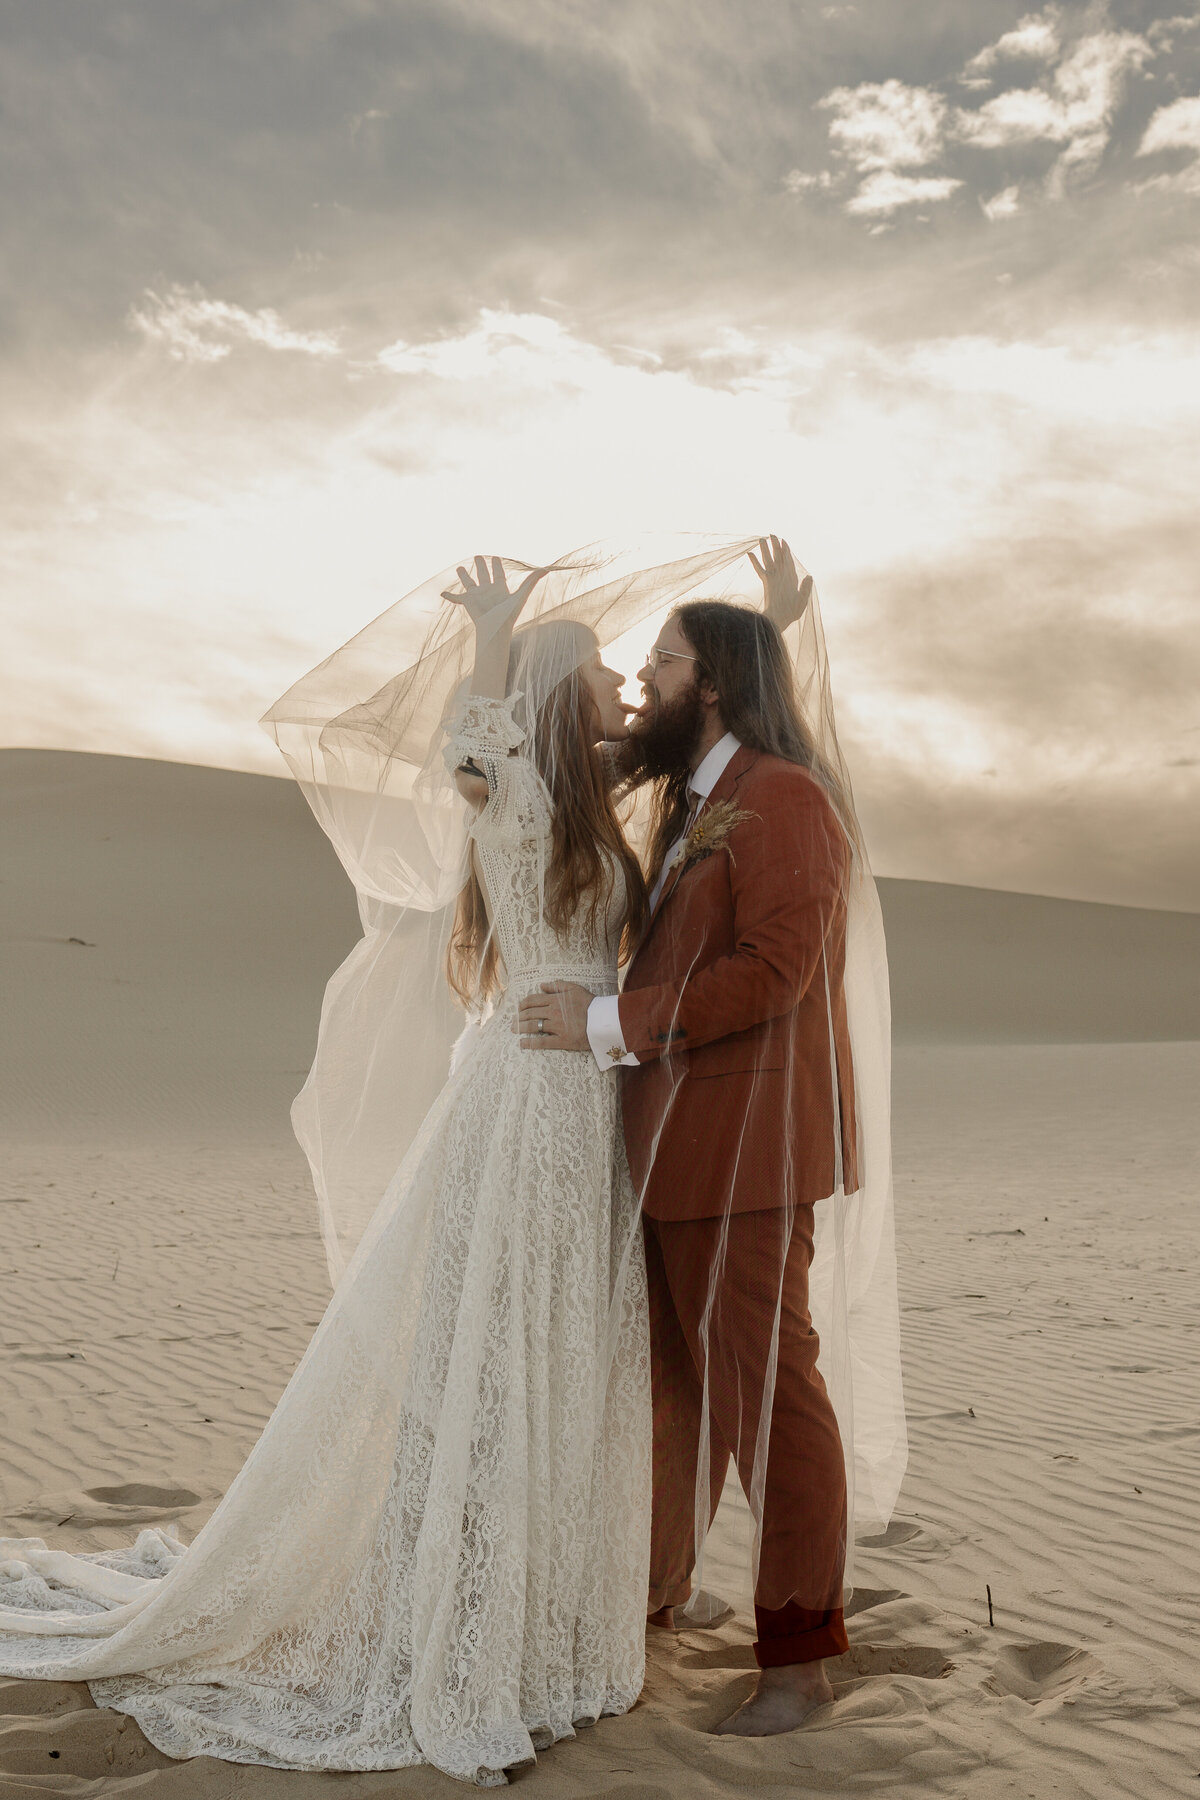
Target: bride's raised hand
(486,598)
(785,596)
(493,610)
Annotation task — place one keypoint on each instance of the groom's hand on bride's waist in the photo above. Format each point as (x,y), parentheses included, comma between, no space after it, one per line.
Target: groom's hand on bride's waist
(555,1018)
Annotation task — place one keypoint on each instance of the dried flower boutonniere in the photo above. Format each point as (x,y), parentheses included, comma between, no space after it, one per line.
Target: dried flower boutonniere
(711,832)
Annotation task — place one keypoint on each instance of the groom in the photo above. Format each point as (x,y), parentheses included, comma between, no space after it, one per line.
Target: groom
(731,1035)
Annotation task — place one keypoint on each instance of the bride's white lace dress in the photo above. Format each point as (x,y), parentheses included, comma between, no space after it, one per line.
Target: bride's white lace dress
(438,1549)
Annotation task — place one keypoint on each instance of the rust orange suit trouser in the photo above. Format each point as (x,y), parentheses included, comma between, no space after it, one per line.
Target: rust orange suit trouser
(803,1526)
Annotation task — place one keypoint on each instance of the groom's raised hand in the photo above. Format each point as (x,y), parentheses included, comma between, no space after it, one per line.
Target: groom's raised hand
(555,1018)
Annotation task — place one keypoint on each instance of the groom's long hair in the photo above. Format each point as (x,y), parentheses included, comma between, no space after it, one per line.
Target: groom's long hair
(741,652)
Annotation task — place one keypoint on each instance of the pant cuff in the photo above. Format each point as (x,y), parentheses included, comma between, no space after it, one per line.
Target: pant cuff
(669,1593)
(783,1640)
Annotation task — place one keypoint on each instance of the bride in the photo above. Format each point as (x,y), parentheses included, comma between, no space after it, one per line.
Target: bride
(438,1550)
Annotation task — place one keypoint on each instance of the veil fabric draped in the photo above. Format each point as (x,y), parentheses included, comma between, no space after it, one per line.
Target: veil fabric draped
(367,747)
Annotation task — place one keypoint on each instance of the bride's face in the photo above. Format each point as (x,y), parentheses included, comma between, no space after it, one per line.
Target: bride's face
(604,685)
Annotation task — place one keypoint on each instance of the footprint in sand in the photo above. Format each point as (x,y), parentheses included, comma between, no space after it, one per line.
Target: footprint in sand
(898,1617)
(900,1531)
(43,1699)
(87,1743)
(1120,1681)
(915,1540)
(144,1494)
(132,1503)
(863,1660)
(1037,1672)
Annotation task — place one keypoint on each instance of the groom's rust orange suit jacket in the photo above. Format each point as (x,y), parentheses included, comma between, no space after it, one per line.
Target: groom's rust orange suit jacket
(733,1104)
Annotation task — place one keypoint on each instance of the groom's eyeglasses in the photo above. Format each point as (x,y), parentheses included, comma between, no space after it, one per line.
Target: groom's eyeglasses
(656,655)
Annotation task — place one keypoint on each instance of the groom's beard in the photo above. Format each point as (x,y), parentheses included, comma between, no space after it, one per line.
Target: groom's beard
(664,741)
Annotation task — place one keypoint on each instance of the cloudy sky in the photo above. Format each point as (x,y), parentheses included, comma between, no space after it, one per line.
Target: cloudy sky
(305,299)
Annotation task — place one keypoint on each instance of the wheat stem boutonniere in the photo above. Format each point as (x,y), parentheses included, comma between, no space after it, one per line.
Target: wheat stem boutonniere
(711,832)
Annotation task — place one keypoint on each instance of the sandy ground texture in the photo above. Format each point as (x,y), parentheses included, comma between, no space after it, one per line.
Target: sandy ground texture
(161,1273)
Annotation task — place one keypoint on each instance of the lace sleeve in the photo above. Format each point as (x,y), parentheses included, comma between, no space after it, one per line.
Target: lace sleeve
(518,808)
(482,727)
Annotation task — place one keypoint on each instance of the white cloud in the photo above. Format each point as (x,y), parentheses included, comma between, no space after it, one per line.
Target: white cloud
(1021,116)
(1091,84)
(1135,384)
(529,348)
(1004,205)
(1163,32)
(194,328)
(1036,37)
(1076,109)
(886,125)
(886,192)
(886,130)
(1175,127)
(745,365)
(797,181)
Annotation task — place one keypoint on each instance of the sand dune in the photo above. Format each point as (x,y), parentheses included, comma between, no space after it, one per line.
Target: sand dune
(170,930)
(161,1273)
(976,966)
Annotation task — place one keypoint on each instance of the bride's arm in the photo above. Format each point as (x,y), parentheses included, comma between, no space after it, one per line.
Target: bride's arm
(472,784)
(494,612)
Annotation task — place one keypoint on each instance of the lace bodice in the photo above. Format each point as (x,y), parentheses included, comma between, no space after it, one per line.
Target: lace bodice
(511,836)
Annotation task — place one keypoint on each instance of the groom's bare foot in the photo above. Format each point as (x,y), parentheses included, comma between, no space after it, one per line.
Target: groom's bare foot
(708,1612)
(783,1700)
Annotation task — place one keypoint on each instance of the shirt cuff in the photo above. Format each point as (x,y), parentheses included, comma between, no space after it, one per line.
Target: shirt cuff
(604,1033)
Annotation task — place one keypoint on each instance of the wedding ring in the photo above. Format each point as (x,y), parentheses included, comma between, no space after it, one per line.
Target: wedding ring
(541,1026)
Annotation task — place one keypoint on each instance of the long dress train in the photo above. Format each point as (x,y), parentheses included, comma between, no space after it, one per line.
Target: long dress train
(438,1549)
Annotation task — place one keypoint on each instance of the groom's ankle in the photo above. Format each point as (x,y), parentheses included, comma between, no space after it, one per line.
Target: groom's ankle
(666,1595)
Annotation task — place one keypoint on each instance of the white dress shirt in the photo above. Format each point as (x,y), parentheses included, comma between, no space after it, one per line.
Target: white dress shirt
(604,1018)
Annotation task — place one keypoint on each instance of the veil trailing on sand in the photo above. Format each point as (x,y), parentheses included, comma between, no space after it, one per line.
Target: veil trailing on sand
(368,747)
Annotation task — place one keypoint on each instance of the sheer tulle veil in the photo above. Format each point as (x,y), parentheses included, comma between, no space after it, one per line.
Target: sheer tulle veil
(364,733)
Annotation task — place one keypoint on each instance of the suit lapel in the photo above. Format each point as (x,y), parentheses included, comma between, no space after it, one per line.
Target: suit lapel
(724,790)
